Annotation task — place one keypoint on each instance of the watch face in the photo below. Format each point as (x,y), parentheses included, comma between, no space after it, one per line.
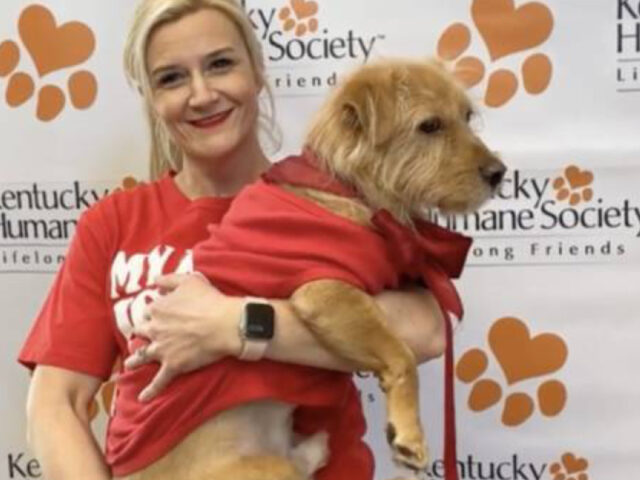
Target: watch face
(258,321)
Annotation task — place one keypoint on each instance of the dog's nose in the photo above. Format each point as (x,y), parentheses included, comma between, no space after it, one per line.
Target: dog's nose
(493,173)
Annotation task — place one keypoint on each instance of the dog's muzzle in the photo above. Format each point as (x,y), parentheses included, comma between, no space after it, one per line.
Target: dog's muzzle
(493,173)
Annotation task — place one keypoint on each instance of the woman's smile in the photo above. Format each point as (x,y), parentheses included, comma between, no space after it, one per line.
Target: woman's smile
(211,121)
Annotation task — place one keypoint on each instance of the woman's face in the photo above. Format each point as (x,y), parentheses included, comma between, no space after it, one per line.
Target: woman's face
(203,83)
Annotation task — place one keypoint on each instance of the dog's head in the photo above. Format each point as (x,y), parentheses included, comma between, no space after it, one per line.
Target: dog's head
(399,132)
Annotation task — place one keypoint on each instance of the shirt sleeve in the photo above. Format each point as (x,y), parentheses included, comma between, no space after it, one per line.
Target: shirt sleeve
(74,328)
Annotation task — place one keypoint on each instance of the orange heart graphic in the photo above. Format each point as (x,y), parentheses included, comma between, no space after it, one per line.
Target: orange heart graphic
(304,9)
(107,392)
(522,357)
(507,30)
(573,464)
(578,178)
(51,47)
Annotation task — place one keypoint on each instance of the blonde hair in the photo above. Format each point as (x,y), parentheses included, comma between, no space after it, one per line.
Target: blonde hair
(150,14)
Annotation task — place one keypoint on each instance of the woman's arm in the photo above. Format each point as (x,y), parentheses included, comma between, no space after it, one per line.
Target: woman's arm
(413,316)
(195,325)
(58,425)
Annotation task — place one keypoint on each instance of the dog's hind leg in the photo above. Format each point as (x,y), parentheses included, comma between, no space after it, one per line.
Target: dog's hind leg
(349,323)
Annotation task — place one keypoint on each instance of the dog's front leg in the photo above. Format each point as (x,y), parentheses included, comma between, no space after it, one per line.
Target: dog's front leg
(349,323)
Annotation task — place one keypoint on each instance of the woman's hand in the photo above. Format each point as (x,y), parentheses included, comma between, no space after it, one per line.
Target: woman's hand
(189,327)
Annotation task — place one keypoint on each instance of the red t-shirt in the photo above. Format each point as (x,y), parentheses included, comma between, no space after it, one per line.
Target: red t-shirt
(122,243)
(291,241)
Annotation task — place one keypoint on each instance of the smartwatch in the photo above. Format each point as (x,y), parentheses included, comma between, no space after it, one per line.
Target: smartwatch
(257,326)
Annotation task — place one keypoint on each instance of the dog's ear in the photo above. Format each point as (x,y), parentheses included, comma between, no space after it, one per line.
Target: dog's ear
(368,110)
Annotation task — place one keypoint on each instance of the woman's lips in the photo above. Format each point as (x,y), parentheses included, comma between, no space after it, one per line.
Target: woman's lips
(212,120)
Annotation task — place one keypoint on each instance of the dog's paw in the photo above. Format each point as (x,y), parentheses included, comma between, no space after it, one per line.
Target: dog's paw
(521,358)
(51,48)
(534,26)
(574,186)
(299,16)
(408,450)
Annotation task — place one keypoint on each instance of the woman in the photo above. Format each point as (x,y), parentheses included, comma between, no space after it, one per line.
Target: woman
(199,68)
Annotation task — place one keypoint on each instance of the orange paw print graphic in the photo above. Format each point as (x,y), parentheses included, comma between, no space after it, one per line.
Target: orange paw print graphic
(573,186)
(104,398)
(127,183)
(51,48)
(570,468)
(521,357)
(105,395)
(505,30)
(299,16)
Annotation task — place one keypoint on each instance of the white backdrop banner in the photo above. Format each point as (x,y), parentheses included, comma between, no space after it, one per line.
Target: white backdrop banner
(546,358)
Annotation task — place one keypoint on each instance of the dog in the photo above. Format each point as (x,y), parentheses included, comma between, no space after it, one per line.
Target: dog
(392,142)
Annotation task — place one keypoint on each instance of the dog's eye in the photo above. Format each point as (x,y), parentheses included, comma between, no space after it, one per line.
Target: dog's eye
(431,126)
(469,116)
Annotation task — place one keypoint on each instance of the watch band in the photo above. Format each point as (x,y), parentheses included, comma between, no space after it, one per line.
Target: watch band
(252,349)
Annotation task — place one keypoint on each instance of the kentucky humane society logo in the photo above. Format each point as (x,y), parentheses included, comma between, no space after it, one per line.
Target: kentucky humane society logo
(38,219)
(539,216)
(304,54)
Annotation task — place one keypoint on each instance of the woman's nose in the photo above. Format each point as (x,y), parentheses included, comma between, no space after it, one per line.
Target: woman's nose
(202,93)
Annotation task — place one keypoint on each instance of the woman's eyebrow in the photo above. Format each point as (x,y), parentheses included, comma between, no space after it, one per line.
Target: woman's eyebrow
(169,67)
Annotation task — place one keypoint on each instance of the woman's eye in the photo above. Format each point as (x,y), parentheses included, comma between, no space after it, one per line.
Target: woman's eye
(431,125)
(168,80)
(220,64)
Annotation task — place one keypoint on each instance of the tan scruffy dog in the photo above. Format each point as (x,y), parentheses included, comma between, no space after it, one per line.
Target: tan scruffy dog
(397,134)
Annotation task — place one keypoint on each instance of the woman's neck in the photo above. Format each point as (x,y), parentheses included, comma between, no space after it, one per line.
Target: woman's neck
(224,176)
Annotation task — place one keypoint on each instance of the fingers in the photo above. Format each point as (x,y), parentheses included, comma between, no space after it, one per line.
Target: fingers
(159,383)
(143,355)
